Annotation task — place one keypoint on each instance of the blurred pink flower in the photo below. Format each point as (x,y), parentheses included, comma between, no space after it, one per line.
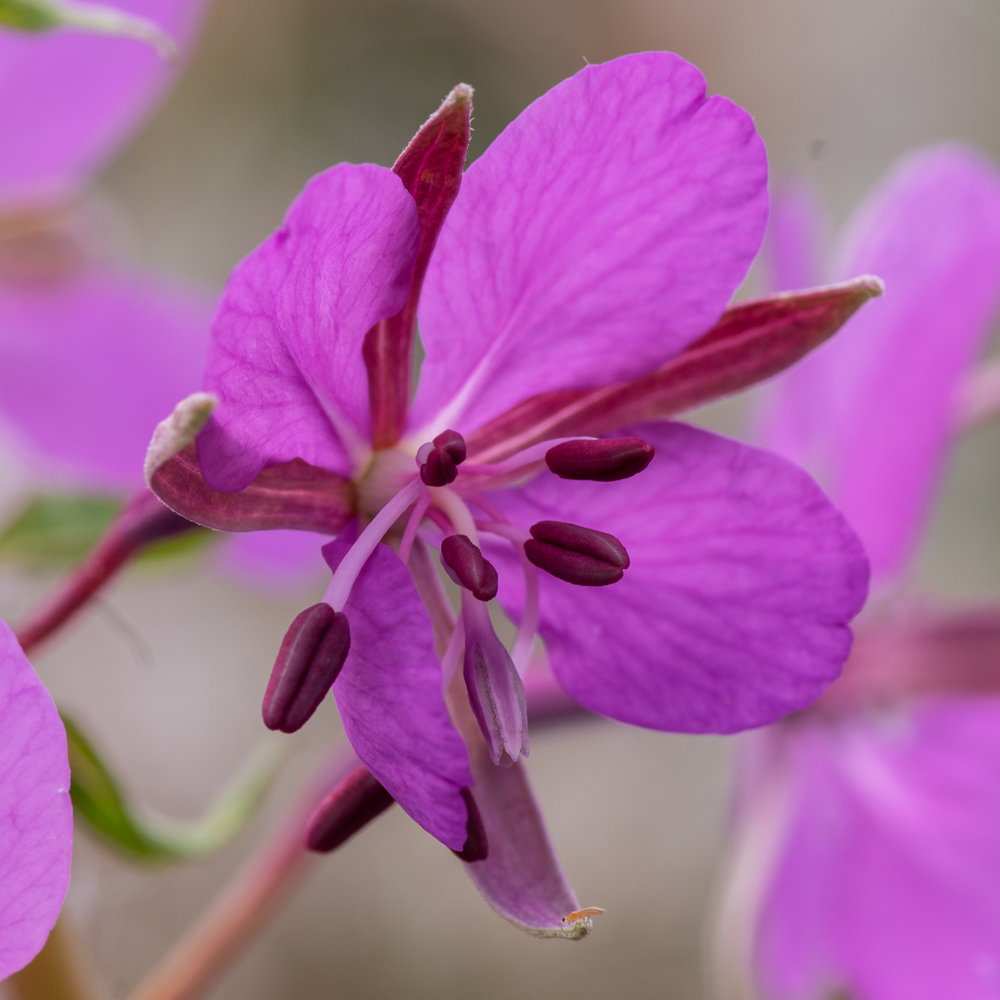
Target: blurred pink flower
(589,248)
(36,818)
(882,871)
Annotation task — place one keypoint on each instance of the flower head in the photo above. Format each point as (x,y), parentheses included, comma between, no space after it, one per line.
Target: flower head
(570,289)
(870,819)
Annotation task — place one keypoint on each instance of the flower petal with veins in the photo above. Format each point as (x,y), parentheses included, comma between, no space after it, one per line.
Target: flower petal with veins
(606,228)
(735,609)
(36,817)
(390,699)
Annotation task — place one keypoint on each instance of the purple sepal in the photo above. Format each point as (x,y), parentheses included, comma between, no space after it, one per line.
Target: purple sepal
(495,690)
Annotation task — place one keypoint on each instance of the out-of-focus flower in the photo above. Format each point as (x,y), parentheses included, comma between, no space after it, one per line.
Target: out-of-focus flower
(36,818)
(867,826)
(572,291)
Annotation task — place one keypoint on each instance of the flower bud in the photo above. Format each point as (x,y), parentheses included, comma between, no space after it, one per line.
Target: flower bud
(354,803)
(577,555)
(311,656)
(468,567)
(476,847)
(604,460)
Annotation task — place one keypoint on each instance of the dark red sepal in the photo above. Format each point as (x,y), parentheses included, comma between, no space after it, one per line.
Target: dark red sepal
(476,847)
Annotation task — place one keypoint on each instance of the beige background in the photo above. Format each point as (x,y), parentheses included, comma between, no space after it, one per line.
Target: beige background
(171,669)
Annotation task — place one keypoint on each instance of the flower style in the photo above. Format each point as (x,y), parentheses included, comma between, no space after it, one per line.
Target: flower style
(36,818)
(870,821)
(571,289)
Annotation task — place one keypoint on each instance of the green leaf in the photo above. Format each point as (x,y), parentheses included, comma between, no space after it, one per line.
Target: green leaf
(99,800)
(57,529)
(44,15)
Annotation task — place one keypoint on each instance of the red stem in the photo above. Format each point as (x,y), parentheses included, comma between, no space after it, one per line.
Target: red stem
(142,520)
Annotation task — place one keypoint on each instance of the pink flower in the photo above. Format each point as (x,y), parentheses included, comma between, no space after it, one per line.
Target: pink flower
(572,290)
(873,818)
(36,818)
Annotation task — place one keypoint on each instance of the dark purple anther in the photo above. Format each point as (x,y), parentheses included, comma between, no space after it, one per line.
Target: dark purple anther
(468,567)
(604,460)
(354,803)
(475,848)
(453,443)
(439,467)
(577,555)
(312,653)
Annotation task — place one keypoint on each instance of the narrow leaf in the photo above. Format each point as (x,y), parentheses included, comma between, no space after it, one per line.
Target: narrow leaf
(57,529)
(99,800)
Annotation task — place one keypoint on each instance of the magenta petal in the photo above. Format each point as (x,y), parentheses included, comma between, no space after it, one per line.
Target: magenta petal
(889,882)
(794,243)
(273,562)
(285,357)
(390,699)
(604,229)
(69,98)
(520,878)
(90,364)
(736,605)
(870,413)
(36,817)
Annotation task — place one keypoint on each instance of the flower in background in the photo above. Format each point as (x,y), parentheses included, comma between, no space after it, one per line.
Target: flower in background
(574,289)
(866,857)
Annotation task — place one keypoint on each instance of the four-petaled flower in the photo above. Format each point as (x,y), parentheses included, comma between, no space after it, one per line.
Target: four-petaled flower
(573,291)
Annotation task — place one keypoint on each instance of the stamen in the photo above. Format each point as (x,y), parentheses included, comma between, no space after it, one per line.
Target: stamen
(602,460)
(476,847)
(577,555)
(439,463)
(311,657)
(452,654)
(495,690)
(356,801)
(468,567)
(347,572)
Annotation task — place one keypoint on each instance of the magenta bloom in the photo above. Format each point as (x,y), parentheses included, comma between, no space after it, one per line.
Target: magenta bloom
(36,818)
(570,294)
(883,875)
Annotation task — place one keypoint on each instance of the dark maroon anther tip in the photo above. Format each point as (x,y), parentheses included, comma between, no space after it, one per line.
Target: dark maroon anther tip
(453,443)
(470,569)
(438,469)
(605,460)
(311,656)
(354,803)
(476,847)
(583,556)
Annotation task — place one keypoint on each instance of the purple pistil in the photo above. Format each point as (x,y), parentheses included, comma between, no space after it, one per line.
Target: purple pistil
(476,847)
(604,460)
(577,555)
(311,656)
(468,567)
(355,802)
(439,463)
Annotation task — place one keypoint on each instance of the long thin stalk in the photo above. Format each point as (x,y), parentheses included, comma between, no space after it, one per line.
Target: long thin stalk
(142,520)
(204,953)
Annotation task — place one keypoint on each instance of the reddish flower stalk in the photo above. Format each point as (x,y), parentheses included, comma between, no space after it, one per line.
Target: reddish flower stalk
(143,520)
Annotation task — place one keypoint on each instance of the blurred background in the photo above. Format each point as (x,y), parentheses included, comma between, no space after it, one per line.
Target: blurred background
(169,667)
